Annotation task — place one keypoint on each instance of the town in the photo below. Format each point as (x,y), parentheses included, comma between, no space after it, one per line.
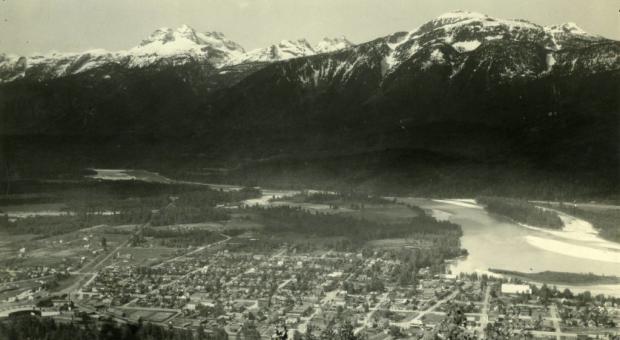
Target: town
(220,262)
(222,288)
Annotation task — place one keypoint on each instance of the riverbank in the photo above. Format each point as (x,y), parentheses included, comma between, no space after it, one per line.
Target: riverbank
(559,278)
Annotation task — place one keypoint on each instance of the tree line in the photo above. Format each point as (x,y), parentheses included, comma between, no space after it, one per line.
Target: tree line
(522,211)
(33,327)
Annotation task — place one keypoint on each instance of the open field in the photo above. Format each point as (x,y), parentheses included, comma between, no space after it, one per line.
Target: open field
(147,256)
(382,212)
(395,243)
(126,175)
(148,315)
(392,213)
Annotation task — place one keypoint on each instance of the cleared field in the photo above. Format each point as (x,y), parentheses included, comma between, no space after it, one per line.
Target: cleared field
(148,256)
(127,174)
(393,243)
(148,315)
(49,256)
(238,221)
(396,316)
(33,209)
(148,176)
(433,318)
(9,244)
(210,226)
(391,213)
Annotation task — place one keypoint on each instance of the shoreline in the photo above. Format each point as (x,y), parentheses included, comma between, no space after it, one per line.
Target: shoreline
(560,278)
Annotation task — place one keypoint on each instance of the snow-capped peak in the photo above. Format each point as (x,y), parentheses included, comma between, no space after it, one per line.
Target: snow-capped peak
(327,45)
(455,16)
(185,38)
(186,41)
(285,49)
(301,45)
(467,31)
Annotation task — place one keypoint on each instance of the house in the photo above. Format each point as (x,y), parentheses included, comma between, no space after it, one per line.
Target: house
(509,288)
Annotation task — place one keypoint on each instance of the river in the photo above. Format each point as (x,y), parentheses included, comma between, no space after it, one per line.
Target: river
(495,242)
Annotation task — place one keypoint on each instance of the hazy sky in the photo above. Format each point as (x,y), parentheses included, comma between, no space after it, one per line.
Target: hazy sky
(28,26)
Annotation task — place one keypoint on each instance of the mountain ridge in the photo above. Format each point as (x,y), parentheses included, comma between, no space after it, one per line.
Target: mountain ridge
(184,44)
(474,91)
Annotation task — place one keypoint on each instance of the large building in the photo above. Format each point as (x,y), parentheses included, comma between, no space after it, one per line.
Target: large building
(509,288)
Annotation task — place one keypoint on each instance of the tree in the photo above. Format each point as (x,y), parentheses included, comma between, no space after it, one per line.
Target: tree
(220,334)
(281,332)
(250,332)
(346,332)
(309,333)
(200,333)
(395,332)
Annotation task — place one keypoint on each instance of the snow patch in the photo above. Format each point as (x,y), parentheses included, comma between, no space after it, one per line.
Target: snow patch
(461,15)
(466,46)
(436,57)
(494,37)
(327,45)
(284,50)
(550,61)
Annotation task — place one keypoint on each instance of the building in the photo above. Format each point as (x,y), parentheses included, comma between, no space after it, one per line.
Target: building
(509,288)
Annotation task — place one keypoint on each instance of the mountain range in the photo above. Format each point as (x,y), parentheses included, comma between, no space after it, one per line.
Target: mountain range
(465,102)
(164,45)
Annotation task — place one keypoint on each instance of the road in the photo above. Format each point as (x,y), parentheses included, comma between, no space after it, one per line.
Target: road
(370,313)
(303,327)
(82,271)
(152,309)
(484,315)
(553,310)
(93,271)
(280,253)
(195,251)
(281,285)
(556,334)
(436,305)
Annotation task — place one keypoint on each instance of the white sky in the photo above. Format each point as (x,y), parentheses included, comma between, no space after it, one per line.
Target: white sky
(29,26)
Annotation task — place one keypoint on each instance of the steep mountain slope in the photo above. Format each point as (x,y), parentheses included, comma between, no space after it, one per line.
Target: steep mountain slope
(463,93)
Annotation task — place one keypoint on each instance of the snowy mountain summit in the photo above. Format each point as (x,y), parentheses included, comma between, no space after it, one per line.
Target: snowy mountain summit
(289,49)
(164,45)
(285,49)
(464,31)
(327,45)
(185,41)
